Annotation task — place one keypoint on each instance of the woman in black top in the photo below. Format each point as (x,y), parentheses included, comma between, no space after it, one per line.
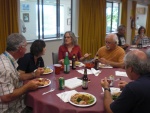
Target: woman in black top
(33,59)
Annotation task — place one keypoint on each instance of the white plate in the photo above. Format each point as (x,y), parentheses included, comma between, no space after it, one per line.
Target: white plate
(134,46)
(45,85)
(46,73)
(49,72)
(76,65)
(83,105)
(104,66)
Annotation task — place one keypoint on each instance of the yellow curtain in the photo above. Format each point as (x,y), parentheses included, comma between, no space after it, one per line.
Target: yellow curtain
(92,25)
(148,22)
(133,15)
(8,21)
(124,12)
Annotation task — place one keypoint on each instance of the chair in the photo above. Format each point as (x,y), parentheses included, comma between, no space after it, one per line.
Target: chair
(55,58)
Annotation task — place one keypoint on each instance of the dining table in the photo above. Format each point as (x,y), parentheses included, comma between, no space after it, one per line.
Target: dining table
(51,103)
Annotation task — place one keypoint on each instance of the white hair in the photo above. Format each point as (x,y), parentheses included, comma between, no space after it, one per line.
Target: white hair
(114,36)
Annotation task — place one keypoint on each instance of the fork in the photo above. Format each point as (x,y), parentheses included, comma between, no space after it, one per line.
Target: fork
(48,91)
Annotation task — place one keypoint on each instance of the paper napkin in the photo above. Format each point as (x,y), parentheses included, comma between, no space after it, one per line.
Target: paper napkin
(95,72)
(81,64)
(73,83)
(82,71)
(64,96)
(120,73)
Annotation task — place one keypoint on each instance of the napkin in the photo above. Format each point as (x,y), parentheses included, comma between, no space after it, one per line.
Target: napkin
(120,73)
(81,64)
(95,72)
(73,83)
(82,71)
(65,96)
(131,49)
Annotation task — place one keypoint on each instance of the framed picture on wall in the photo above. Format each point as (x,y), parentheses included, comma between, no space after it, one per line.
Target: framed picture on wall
(68,21)
(25,7)
(26,17)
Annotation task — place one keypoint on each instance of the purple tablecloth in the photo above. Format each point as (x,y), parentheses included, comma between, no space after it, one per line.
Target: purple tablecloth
(51,103)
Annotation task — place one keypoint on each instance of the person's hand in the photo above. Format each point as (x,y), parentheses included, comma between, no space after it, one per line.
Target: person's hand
(87,55)
(122,84)
(39,71)
(61,61)
(126,45)
(103,60)
(104,83)
(32,85)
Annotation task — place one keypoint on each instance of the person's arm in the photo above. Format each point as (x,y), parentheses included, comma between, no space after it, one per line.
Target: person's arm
(107,95)
(111,63)
(125,46)
(25,76)
(86,55)
(122,84)
(31,85)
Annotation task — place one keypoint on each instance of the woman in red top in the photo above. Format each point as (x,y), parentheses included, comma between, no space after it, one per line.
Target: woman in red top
(70,45)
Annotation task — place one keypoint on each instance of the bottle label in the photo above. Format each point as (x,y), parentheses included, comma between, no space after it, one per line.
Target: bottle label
(85,84)
(66,68)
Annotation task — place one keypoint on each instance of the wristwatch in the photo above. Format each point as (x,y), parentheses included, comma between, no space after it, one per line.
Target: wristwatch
(107,89)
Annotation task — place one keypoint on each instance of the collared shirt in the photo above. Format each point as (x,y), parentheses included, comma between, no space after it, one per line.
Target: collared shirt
(143,41)
(75,50)
(121,40)
(9,81)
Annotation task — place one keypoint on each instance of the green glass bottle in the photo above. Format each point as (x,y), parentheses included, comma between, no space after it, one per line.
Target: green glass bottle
(66,64)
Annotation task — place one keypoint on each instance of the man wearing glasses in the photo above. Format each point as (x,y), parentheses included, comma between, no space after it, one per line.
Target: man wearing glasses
(111,54)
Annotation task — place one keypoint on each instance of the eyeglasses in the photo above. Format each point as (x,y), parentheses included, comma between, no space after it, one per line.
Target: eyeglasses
(106,42)
(68,37)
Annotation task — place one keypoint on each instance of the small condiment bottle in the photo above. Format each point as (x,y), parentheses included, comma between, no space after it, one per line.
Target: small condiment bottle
(96,63)
(85,80)
(73,62)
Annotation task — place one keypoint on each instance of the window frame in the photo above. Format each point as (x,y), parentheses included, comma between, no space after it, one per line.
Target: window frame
(112,7)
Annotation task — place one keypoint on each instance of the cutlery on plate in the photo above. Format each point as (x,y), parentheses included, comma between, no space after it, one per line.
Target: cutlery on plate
(48,91)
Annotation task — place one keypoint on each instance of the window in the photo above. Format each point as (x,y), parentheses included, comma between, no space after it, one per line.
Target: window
(47,19)
(112,16)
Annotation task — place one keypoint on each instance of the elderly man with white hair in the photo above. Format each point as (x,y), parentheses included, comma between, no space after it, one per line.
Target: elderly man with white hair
(111,53)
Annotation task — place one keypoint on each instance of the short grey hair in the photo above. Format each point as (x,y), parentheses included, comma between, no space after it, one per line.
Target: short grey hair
(121,27)
(73,37)
(114,36)
(139,65)
(14,40)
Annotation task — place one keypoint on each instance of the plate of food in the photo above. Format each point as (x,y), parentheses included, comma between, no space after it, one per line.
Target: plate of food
(115,95)
(47,70)
(104,66)
(43,82)
(82,99)
(133,46)
(77,63)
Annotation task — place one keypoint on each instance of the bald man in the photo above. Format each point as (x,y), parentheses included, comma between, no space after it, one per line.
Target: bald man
(111,53)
